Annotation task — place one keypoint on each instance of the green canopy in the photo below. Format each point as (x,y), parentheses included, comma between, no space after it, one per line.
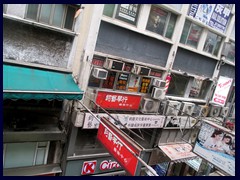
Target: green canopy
(22,82)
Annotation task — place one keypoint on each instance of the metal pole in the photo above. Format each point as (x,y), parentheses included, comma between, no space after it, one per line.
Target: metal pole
(144,163)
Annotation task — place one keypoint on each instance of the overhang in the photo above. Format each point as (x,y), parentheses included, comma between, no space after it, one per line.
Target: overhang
(22,82)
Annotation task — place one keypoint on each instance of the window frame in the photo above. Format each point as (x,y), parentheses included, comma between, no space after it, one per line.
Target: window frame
(215,45)
(50,20)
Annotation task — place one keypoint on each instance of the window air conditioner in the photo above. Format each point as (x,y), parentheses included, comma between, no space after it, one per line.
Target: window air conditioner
(114,65)
(140,70)
(173,108)
(215,111)
(201,110)
(187,108)
(77,118)
(158,93)
(224,111)
(100,73)
(159,83)
(149,105)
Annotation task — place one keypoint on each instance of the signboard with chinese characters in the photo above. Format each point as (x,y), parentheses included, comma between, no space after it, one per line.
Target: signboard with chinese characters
(217,145)
(222,89)
(178,151)
(114,143)
(132,121)
(213,15)
(115,100)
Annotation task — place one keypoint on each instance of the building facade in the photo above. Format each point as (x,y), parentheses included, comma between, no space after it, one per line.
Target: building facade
(152,67)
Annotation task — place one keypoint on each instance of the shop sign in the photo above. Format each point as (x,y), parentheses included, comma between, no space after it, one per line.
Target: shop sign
(222,89)
(128,12)
(116,147)
(213,15)
(178,151)
(216,145)
(120,101)
(131,121)
(89,167)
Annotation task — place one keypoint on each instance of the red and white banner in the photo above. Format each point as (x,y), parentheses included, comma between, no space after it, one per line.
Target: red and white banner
(114,100)
(116,147)
(222,89)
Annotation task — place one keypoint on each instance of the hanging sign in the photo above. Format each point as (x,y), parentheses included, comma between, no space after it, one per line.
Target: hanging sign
(222,89)
(116,147)
(114,100)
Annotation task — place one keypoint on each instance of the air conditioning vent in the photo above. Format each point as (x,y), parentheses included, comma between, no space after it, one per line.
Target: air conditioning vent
(187,108)
(159,83)
(100,73)
(215,111)
(114,65)
(149,106)
(140,70)
(173,108)
(77,118)
(158,93)
(224,111)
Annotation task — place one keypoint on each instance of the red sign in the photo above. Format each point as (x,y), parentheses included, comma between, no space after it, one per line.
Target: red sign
(115,146)
(112,100)
(89,167)
(98,62)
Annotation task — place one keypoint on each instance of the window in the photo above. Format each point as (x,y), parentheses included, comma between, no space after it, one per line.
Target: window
(124,12)
(191,34)
(25,154)
(212,43)
(199,88)
(59,15)
(229,50)
(161,22)
(178,85)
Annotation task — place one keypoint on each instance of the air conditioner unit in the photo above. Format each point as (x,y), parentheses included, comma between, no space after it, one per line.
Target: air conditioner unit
(100,73)
(162,108)
(114,65)
(224,111)
(215,111)
(140,70)
(77,118)
(187,108)
(158,83)
(201,110)
(149,105)
(173,108)
(158,93)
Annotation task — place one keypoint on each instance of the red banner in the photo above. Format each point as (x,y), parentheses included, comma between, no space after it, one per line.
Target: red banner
(116,148)
(112,100)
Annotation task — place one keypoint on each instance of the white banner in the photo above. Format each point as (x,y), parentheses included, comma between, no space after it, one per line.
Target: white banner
(222,90)
(180,122)
(132,121)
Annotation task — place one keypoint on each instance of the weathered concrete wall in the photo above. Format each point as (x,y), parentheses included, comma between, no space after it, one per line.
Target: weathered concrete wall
(22,42)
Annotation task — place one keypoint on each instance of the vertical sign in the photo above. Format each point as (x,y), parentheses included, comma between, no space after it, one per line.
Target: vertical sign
(116,148)
(222,90)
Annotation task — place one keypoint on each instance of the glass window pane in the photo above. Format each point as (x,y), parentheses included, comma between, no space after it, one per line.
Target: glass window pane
(32,11)
(109,82)
(69,17)
(133,83)
(177,85)
(108,10)
(19,154)
(40,156)
(171,26)
(217,46)
(58,15)
(185,32)
(157,20)
(45,13)
(145,85)
(122,81)
(210,42)
(194,35)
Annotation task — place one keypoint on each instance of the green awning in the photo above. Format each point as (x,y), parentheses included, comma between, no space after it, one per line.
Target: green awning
(21,82)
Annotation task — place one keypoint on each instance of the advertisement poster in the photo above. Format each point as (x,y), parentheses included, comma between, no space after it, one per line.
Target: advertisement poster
(213,15)
(119,146)
(216,146)
(181,122)
(130,120)
(222,89)
(128,12)
(114,100)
